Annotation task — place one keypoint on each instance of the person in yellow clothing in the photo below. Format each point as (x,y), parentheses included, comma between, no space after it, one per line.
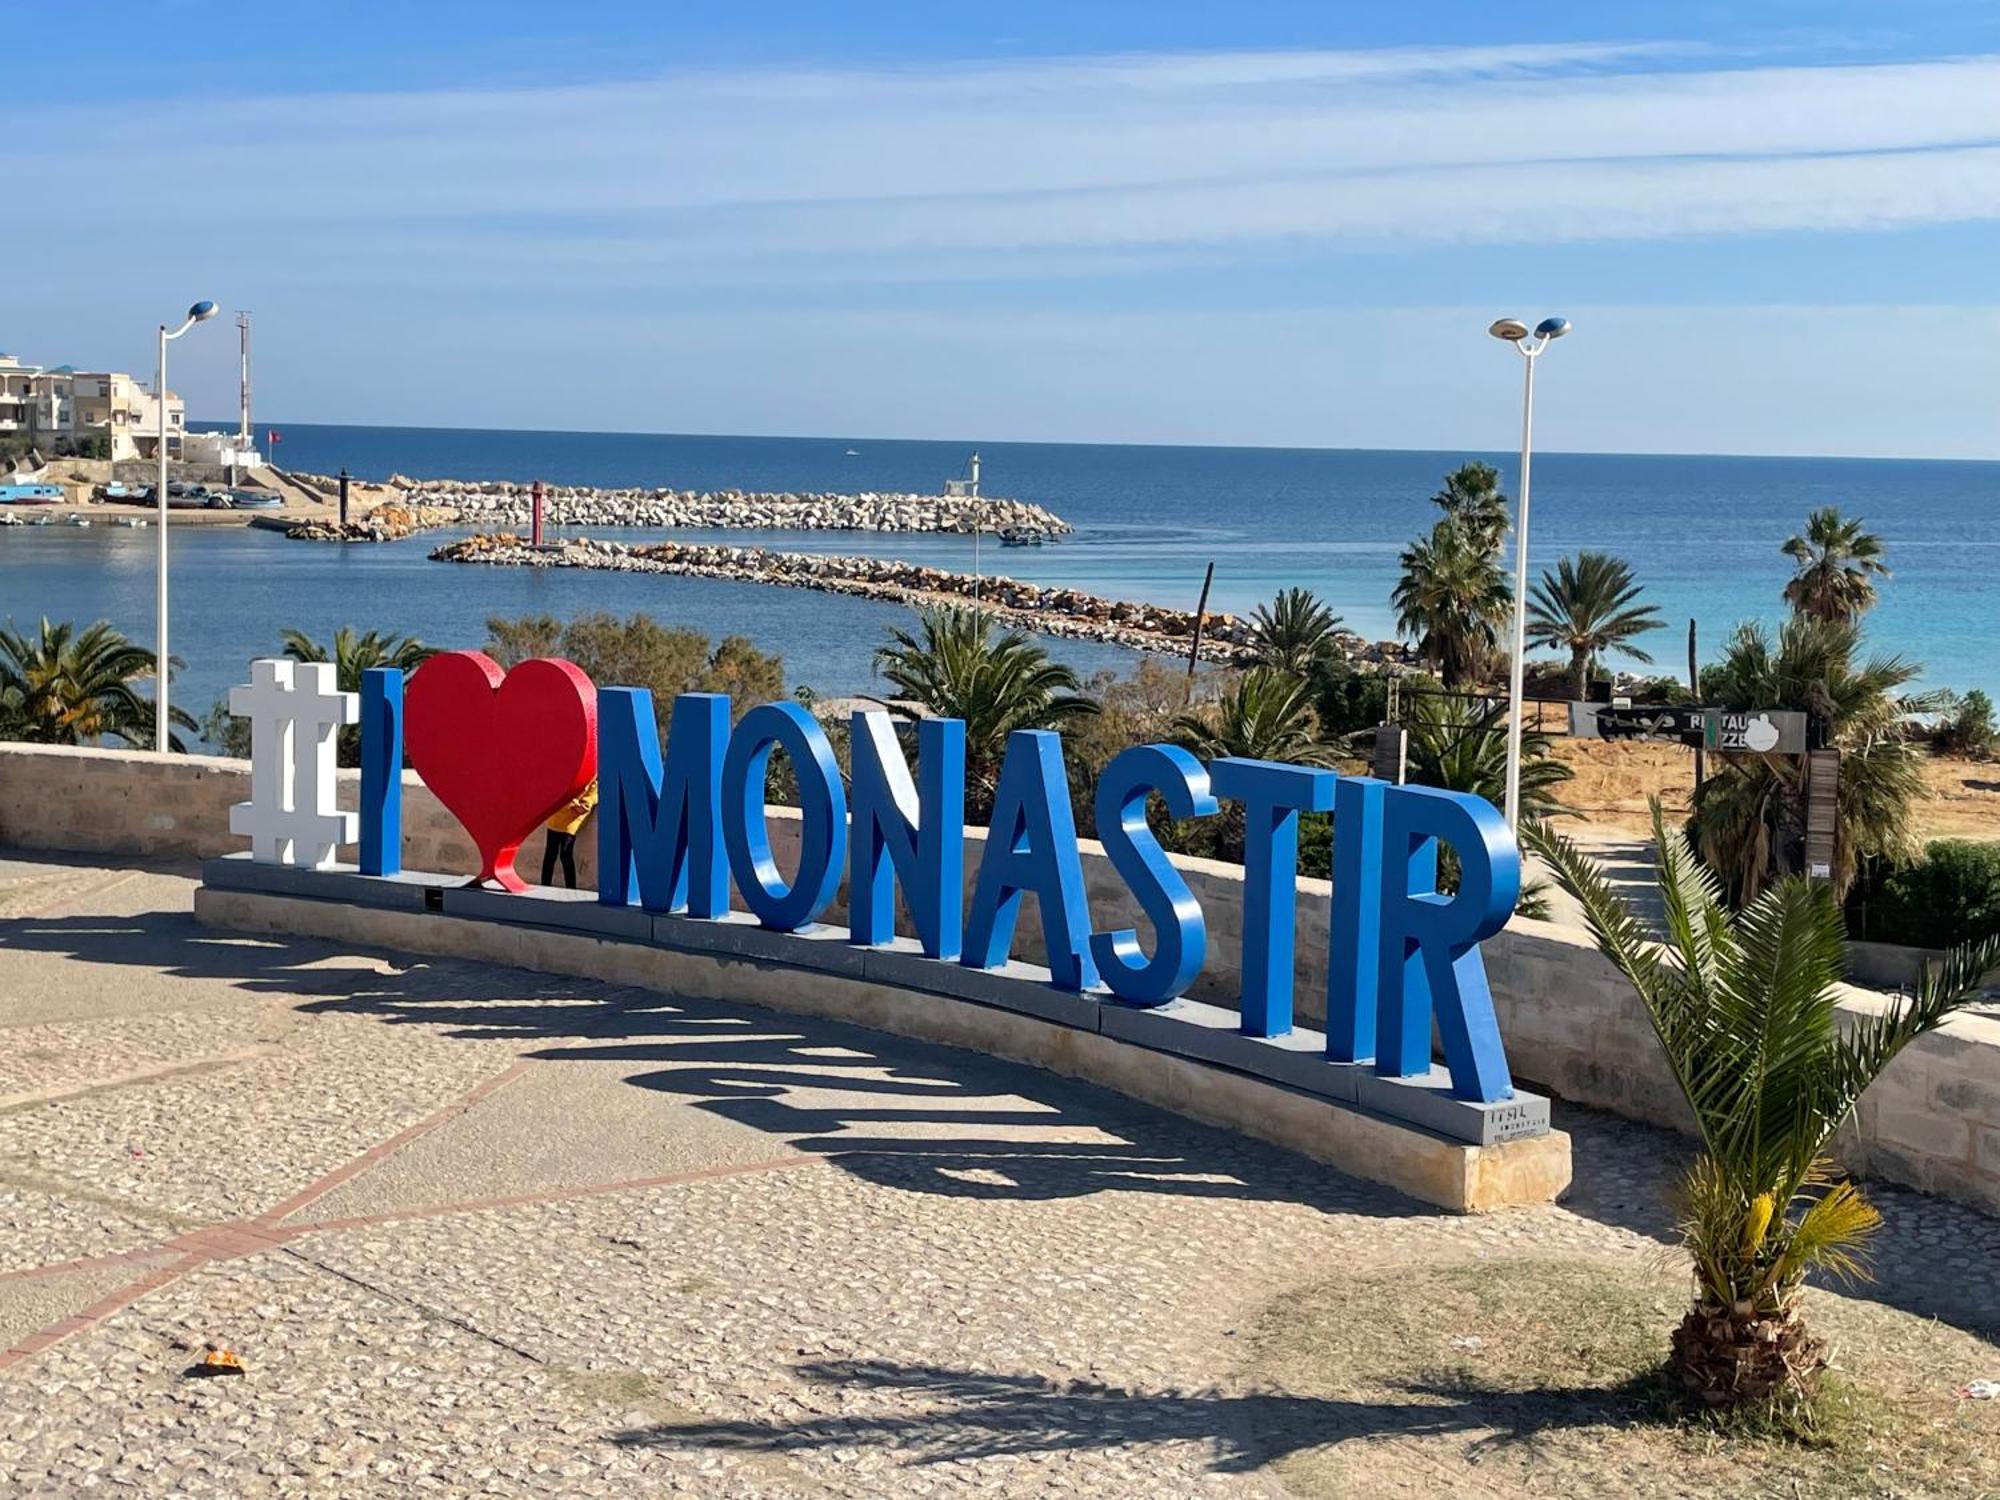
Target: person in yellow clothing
(563,829)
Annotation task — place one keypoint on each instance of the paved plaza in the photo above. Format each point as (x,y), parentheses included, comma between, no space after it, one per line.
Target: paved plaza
(475,1230)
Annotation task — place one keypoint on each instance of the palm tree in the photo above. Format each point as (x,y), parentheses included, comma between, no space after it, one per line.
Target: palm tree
(1471,496)
(1451,598)
(957,668)
(1749,816)
(1586,607)
(1293,631)
(1266,714)
(1460,744)
(353,654)
(1837,565)
(1743,1005)
(65,687)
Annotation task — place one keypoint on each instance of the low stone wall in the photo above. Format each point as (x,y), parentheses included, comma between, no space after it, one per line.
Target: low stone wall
(1571,1023)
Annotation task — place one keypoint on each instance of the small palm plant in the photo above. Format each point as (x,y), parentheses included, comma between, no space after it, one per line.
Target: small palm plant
(1460,743)
(353,653)
(1266,714)
(1293,632)
(65,686)
(954,665)
(1838,564)
(1586,607)
(1743,1005)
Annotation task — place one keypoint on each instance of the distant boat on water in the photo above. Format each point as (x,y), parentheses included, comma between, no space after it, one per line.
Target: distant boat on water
(852,453)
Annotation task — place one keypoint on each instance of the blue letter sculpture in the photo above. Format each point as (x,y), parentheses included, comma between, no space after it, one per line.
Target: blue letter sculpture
(1180,938)
(381,771)
(822,816)
(1429,954)
(659,837)
(912,832)
(1273,795)
(1031,846)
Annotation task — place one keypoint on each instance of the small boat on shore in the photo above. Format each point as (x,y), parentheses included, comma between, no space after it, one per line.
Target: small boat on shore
(31,494)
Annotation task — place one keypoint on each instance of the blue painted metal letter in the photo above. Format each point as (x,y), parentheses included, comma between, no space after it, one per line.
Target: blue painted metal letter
(909,832)
(1273,795)
(1031,846)
(822,816)
(1429,956)
(382,771)
(659,840)
(1180,937)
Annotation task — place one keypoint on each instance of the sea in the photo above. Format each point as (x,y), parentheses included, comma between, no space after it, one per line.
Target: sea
(1702,534)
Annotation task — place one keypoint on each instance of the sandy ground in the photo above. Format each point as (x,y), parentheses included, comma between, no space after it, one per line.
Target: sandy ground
(1613,781)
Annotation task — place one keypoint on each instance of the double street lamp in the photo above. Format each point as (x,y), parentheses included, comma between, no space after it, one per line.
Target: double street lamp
(1531,346)
(201,312)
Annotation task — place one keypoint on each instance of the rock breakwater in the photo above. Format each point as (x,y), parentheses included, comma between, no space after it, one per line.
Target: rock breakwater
(507,503)
(385,523)
(1044,608)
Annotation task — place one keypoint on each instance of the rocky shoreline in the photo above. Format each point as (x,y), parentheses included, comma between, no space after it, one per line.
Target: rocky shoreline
(1043,608)
(507,503)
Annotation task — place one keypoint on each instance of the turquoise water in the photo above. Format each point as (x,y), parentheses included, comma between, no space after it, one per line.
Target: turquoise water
(1702,532)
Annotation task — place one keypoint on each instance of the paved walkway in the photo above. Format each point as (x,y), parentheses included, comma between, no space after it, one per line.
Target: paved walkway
(474,1230)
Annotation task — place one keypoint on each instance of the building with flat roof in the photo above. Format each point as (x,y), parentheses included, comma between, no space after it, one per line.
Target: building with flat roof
(62,411)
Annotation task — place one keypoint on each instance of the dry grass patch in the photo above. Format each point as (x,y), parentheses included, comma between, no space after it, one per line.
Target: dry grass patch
(1544,1377)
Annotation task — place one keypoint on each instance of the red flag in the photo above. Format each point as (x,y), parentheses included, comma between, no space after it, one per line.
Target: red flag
(272,437)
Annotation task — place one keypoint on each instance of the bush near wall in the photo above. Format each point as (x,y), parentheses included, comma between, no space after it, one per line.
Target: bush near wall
(1951,895)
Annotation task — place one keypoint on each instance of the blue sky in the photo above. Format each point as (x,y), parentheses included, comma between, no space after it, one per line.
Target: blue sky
(1774,225)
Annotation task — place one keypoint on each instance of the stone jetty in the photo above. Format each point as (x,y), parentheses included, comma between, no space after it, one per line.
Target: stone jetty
(1044,608)
(508,503)
(385,523)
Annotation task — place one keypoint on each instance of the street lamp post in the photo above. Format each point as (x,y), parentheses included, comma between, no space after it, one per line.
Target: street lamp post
(201,312)
(1531,346)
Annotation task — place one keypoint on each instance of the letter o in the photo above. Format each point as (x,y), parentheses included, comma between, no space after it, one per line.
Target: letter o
(746,832)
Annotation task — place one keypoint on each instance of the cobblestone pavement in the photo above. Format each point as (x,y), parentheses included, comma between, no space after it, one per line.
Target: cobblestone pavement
(477,1231)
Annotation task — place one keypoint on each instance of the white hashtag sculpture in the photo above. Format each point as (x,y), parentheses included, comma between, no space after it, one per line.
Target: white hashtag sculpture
(295,711)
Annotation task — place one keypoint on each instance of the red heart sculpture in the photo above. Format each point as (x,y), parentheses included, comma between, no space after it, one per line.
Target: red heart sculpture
(501,750)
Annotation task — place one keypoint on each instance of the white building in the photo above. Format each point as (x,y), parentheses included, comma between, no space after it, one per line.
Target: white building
(63,411)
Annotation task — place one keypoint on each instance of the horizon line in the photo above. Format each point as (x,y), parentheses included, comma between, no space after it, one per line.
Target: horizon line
(783,437)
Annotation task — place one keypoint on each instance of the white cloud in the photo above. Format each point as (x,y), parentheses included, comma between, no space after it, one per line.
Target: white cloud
(700,169)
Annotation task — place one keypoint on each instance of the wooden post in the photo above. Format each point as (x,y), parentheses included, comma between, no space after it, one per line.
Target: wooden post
(1391,759)
(1200,619)
(1822,811)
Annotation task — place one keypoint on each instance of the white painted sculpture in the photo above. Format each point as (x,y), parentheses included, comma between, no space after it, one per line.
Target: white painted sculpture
(295,711)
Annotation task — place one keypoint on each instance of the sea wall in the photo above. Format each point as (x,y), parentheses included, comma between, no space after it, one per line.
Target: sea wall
(1571,1023)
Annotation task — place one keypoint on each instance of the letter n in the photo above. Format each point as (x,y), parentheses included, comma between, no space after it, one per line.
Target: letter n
(908,831)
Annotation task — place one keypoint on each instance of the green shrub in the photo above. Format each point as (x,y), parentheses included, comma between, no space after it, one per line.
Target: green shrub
(1970,729)
(1950,896)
